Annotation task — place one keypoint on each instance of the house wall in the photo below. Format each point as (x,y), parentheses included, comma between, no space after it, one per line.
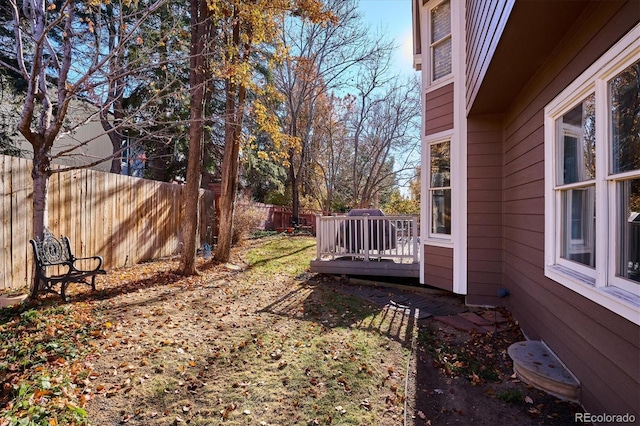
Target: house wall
(484,222)
(438,261)
(438,114)
(601,348)
(85,144)
(438,267)
(486,20)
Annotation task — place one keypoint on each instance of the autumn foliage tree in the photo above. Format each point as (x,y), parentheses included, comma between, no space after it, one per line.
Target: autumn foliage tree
(249,34)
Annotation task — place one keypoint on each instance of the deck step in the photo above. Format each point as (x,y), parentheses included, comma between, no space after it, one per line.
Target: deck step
(537,366)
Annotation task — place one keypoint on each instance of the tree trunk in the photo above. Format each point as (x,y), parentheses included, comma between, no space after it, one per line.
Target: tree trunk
(114,134)
(234,114)
(40,175)
(295,190)
(293,176)
(234,111)
(196,88)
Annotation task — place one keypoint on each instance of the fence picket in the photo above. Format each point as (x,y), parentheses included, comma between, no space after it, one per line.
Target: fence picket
(5,244)
(19,226)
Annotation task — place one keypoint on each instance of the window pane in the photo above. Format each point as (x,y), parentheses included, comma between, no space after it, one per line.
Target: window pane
(578,143)
(442,59)
(629,265)
(624,95)
(578,225)
(440,158)
(439,187)
(441,211)
(440,21)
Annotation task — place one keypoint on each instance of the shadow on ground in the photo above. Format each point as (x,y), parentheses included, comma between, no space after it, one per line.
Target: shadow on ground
(456,376)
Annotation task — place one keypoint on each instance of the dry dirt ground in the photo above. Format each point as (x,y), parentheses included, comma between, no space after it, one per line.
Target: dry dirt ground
(458,377)
(223,348)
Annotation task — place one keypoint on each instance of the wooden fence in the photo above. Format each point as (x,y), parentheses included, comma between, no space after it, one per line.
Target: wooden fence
(124,219)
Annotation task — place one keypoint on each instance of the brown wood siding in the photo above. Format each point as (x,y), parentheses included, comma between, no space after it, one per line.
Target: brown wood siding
(599,346)
(438,267)
(484,217)
(439,110)
(485,21)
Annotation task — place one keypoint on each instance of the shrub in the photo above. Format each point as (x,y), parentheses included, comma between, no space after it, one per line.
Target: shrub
(247,218)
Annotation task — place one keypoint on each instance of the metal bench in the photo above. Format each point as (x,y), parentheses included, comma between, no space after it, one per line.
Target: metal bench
(52,252)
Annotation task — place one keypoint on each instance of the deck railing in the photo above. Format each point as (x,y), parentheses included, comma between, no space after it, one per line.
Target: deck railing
(368,238)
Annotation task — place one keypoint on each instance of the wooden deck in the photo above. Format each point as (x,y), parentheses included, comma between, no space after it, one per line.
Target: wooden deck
(390,248)
(369,268)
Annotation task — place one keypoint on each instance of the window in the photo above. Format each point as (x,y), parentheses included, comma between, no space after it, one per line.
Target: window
(440,189)
(592,160)
(624,173)
(576,183)
(628,234)
(440,40)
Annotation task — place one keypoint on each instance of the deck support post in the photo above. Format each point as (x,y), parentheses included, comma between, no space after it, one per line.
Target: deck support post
(365,231)
(414,233)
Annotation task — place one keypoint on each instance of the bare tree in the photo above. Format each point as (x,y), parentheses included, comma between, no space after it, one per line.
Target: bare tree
(61,60)
(332,148)
(323,57)
(385,127)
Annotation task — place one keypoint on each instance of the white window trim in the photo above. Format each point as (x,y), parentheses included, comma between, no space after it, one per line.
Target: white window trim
(426,51)
(434,239)
(457,135)
(594,287)
(440,240)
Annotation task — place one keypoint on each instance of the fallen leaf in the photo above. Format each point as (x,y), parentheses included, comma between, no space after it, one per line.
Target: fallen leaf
(366,404)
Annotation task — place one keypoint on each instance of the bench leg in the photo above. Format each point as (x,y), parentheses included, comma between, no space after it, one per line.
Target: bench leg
(63,290)
(93,283)
(34,288)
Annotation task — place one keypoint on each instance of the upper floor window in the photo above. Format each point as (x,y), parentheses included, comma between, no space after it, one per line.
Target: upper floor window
(592,156)
(440,40)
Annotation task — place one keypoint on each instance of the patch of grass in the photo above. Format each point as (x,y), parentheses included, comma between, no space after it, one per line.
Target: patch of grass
(270,343)
(281,255)
(512,396)
(262,234)
(308,370)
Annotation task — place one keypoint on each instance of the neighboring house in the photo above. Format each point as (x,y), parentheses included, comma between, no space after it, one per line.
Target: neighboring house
(531,183)
(85,142)
(81,141)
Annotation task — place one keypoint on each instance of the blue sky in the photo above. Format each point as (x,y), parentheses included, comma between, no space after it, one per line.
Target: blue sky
(393,17)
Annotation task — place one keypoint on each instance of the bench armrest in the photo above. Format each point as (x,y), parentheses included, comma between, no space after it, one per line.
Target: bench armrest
(94,258)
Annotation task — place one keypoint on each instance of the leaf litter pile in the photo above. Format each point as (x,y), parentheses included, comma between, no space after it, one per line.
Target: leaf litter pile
(256,342)
(259,341)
